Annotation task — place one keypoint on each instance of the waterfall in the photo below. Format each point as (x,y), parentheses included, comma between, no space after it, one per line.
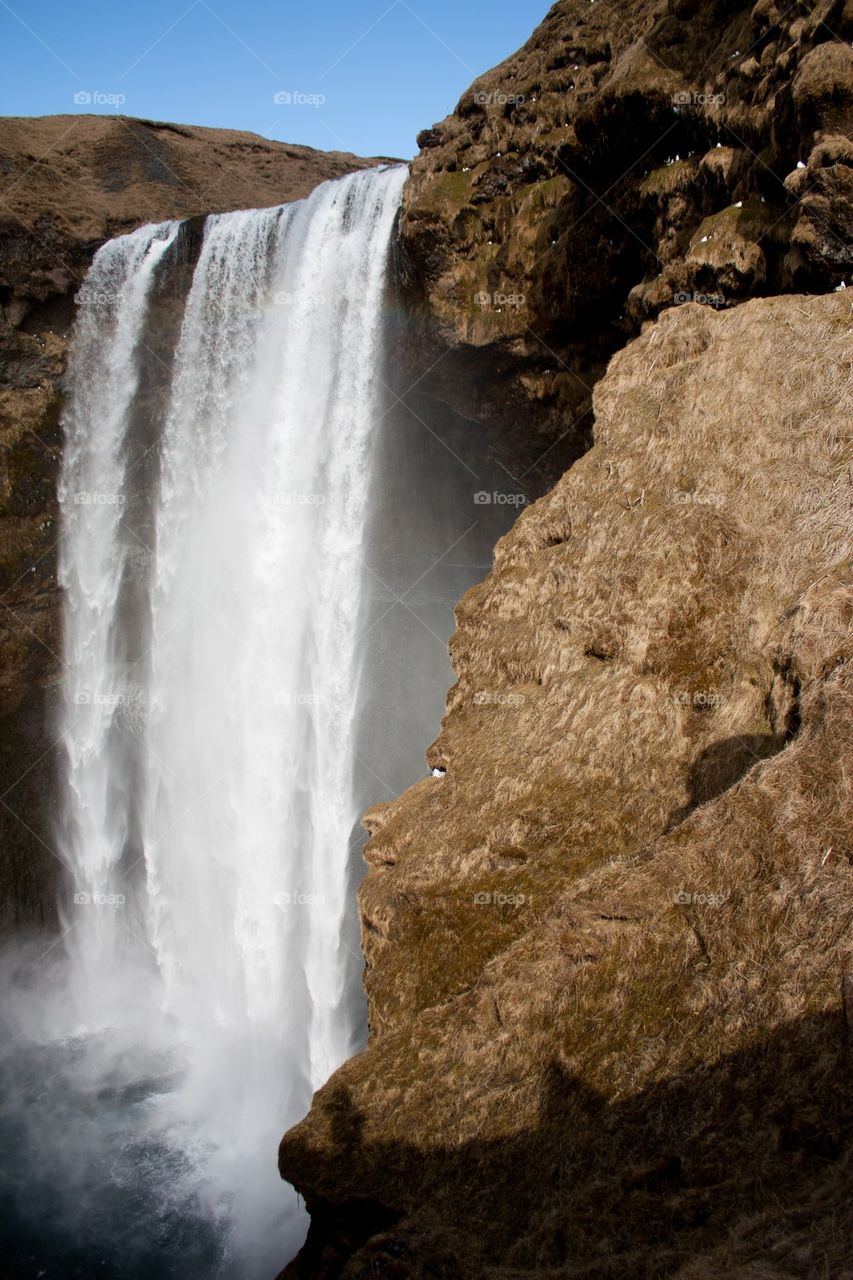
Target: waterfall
(211,679)
(95,557)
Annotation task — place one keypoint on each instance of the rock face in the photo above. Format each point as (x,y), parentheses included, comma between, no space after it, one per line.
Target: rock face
(69,184)
(630,156)
(609,951)
(605,953)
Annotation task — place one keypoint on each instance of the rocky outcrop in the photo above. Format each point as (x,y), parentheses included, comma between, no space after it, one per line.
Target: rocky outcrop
(608,951)
(69,184)
(605,953)
(628,158)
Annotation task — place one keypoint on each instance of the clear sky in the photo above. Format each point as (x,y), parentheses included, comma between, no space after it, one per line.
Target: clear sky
(360,75)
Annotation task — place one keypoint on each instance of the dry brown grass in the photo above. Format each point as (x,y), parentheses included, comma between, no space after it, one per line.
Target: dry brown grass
(640,1069)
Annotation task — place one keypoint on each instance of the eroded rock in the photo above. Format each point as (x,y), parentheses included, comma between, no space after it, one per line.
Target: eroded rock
(580,176)
(603,951)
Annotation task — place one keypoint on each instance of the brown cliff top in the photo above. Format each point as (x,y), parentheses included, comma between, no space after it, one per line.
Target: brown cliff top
(69,182)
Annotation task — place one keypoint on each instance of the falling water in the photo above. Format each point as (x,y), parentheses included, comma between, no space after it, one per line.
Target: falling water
(212,684)
(104,382)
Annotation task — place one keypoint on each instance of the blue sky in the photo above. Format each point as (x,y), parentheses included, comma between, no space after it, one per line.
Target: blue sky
(361,75)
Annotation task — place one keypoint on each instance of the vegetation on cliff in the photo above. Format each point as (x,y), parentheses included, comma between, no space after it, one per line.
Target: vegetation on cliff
(605,953)
(608,949)
(628,157)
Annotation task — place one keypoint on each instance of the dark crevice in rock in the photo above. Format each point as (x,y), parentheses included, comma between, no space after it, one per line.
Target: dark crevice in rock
(338,1232)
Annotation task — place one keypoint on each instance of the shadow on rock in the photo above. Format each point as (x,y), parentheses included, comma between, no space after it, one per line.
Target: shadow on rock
(723,764)
(755,1147)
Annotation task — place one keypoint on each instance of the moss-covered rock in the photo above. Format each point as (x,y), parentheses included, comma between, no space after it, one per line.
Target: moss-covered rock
(605,952)
(641,121)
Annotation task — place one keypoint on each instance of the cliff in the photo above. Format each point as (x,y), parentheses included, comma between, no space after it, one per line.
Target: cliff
(69,184)
(609,955)
(605,952)
(629,157)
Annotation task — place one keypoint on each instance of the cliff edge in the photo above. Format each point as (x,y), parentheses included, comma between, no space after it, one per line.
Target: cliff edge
(609,953)
(630,157)
(606,952)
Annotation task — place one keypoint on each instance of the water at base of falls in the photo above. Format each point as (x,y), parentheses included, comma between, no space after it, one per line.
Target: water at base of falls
(225,646)
(89,1186)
